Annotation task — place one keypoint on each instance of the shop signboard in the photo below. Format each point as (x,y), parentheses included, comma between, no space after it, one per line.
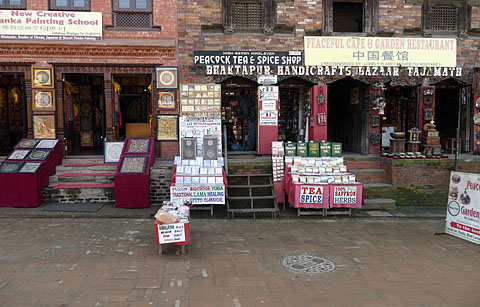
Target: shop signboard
(463,210)
(268,93)
(345,51)
(311,194)
(269,105)
(171,233)
(344,195)
(238,57)
(50,25)
(267,80)
(268,118)
(199,195)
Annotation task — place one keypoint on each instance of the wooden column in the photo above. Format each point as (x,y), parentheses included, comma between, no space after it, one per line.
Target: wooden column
(374,133)
(108,89)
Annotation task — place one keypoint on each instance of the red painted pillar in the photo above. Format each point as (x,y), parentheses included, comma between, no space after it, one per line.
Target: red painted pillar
(374,133)
(318,116)
(267,118)
(476,113)
(427,105)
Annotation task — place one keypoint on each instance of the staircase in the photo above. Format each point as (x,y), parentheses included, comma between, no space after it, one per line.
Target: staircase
(251,193)
(369,171)
(82,180)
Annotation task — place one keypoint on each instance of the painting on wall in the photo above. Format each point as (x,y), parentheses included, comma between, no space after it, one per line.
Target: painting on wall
(167,127)
(166,100)
(42,77)
(43,126)
(166,77)
(43,100)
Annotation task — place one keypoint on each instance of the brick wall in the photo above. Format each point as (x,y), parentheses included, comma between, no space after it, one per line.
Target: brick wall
(160,176)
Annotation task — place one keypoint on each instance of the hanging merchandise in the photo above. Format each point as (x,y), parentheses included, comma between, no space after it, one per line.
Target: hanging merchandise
(476,119)
(116,105)
(321,99)
(322,119)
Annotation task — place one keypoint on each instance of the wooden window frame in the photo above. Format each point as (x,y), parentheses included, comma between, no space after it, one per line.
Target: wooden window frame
(22,5)
(132,9)
(69,6)
(370,18)
(269,15)
(463,18)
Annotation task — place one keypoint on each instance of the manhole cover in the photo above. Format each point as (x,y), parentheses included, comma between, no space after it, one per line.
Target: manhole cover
(308,264)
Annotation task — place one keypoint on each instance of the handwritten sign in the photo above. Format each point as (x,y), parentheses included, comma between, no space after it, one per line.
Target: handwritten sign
(199,195)
(311,194)
(171,233)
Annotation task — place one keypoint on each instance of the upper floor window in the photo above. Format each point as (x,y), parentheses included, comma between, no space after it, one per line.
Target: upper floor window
(12,4)
(132,14)
(70,5)
(249,16)
(350,16)
(450,16)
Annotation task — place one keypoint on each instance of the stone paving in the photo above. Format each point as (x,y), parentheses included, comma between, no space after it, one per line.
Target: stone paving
(114,262)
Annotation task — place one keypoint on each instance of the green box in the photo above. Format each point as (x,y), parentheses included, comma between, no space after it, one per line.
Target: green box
(302,149)
(313,149)
(325,149)
(291,149)
(336,149)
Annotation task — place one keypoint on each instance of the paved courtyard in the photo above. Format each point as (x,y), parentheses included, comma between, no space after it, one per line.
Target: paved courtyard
(103,262)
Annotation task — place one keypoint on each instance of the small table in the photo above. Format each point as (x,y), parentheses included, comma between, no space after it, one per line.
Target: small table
(397,145)
(413,146)
(450,144)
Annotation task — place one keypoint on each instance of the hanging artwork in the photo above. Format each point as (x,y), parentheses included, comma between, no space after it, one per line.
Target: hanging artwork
(42,77)
(374,120)
(138,145)
(166,100)
(85,92)
(44,126)
(167,127)
(133,165)
(427,113)
(112,151)
(47,144)
(86,108)
(166,77)
(86,138)
(26,143)
(10,167)
(43,100)
(85,123)
(30,167)
(38,154)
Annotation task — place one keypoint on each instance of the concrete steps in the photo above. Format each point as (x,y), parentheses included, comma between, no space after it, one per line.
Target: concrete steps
(369,175)
(378,203)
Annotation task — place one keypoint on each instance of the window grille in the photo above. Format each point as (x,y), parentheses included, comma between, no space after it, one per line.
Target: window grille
(444,18)
(133,20)
(248,15)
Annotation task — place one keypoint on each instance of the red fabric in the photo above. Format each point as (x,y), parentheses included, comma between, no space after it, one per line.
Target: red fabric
(132,190)
(187,233)
(23,190)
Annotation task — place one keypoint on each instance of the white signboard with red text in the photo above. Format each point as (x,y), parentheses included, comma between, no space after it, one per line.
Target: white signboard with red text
(268,97)
(50,25)
(463,210)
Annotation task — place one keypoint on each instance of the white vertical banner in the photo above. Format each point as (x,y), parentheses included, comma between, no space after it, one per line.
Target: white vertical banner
(463,210)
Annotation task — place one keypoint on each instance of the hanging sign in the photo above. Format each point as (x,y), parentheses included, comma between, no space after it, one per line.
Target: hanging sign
(268,93)
(171,233)
(267,80)
(269,105)
(311,194)
(268,118)
(463,210)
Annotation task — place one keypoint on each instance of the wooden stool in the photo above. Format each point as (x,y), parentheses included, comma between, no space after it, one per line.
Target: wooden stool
(397,145)
(413,146)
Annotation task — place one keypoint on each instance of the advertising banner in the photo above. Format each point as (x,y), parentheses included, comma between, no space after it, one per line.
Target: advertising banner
(171,233)
(199,195)
(463,210)
(50,25)
(311,194)
(268,93)
(380,51)
(268,118)
(210,57)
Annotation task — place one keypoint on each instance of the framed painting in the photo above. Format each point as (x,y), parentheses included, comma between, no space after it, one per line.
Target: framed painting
(43,100)
(86,138)
(166,100)
(30,167)
(112,151)
(27,143)
(18,154)
(85,123)
(138,146)
(10,167)
(166,77)
(47,144)
(38,154)
(43,126)
(133,165)
(42,77)
(167,127)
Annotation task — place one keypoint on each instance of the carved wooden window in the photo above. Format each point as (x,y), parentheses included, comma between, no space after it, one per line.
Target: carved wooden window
(350,16)
(71,5)
(249,16)
(445,16)
(132,14)
(12,4)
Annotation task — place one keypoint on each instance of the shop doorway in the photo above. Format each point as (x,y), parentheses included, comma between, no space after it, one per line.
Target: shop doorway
(347,115)
(237,131)
(135,104)
(12,111)
(84,114)
(294,106)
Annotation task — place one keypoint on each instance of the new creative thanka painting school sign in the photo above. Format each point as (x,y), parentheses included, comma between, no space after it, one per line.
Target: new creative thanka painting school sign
(463,210)
(50,25)
(311,194)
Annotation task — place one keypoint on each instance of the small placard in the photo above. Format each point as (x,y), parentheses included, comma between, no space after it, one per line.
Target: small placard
(171,233)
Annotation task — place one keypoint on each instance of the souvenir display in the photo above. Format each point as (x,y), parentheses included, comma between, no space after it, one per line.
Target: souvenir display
(166,100)
(10,167)
(112,151)
(38,154)
(197,127)
(46,144)
(43,100)
(166,77)
(27,143)
(42,77)
(319,170)
(178,209)
(30,167)
(198,171)
(167,127)
(277,161)
(43,126)
(18,154)
(133,165)
(138,146)
(200,100)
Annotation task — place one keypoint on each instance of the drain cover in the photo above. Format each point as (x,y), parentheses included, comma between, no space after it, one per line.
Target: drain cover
(308,264)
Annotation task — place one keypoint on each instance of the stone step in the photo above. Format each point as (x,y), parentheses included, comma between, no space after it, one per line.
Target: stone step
(103,168)
(376,185)
(83,160)
(79,193)
(369,175)
(367,164)
(379,203)
(83,177)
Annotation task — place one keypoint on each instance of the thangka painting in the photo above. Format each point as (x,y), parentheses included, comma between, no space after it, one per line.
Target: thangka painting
(167,127)
(166,100)
(133,165)
(47,144)
(38,154)
(42,77)
(138,145)
(18,154)
(167,77)
(27,143)
(44,100)
(30,167)
(112,151)
(86,138)
(44,126)
(10,167)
